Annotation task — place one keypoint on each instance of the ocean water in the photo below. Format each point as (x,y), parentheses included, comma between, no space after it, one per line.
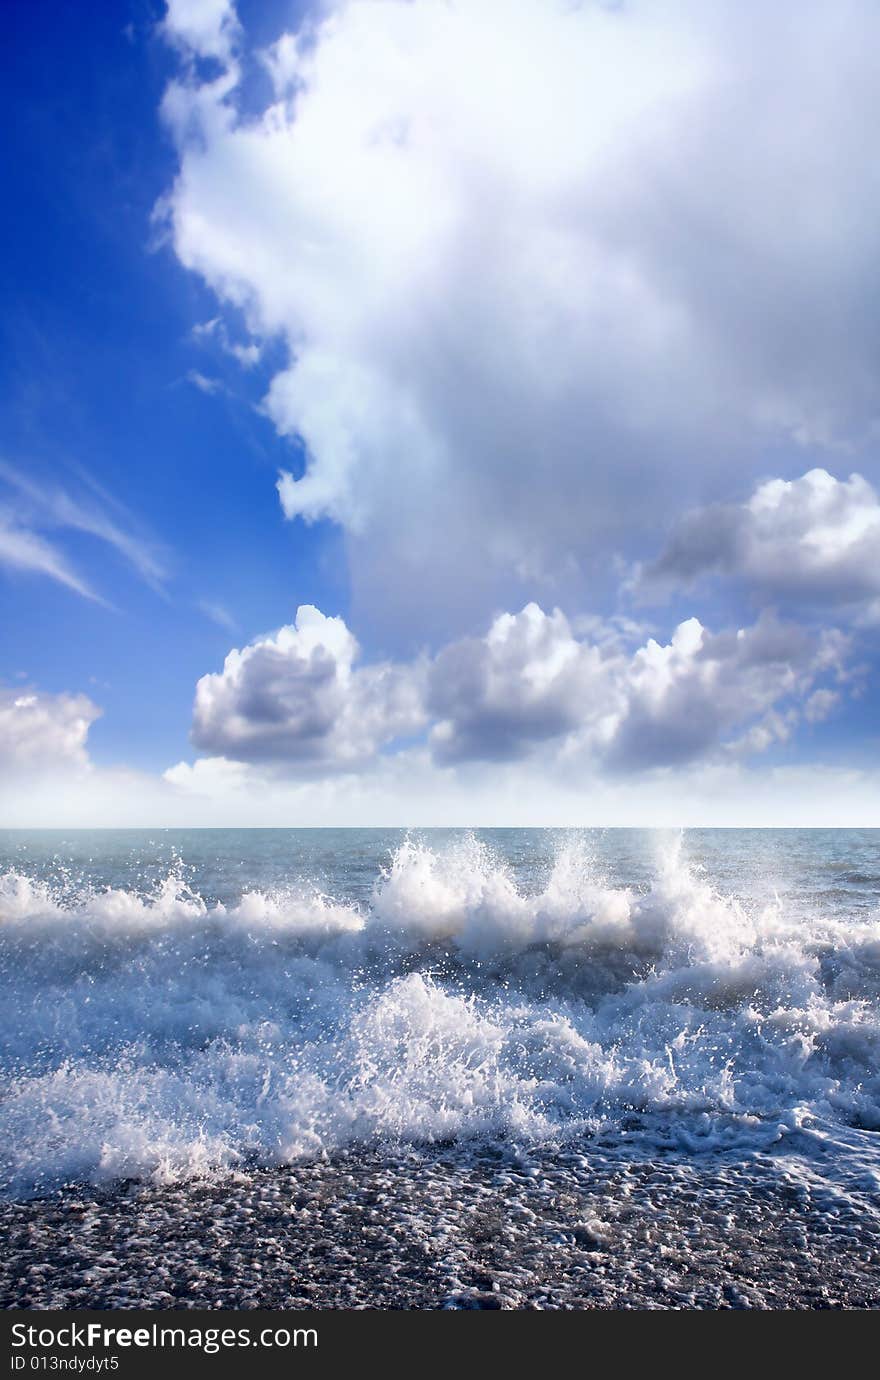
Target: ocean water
(516,1053)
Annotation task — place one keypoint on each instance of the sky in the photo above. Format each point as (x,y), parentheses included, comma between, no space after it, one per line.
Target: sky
(418,412)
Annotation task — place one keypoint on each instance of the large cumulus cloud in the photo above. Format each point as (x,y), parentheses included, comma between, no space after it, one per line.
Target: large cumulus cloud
(296,703)
(531,680)
(736,691)
(296,698)
(521,254)
(811,541)
(528,680)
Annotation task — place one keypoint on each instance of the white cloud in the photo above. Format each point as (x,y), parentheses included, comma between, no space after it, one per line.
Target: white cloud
(51,783)
(35,506)
(820,704)
(296,699)
(527,681)
(538,265)
(407,790)
(215,331)
(41,733)
(204,383)
(218,613)
(688,700)
(21,549)
(206,28)
(812,540)
(530,680)
(296,702)
(209,777)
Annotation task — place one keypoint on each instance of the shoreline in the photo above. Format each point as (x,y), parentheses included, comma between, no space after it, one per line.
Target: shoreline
(453,1228)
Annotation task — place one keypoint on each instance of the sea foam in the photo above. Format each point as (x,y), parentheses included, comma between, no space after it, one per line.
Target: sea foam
(157,1035)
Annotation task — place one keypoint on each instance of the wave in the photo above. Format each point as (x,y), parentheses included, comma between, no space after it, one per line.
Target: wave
(156,1035)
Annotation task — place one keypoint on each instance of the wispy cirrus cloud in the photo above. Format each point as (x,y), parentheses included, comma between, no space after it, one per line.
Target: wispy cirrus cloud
(204,382)
(30,508)
(27,551)
(218,613)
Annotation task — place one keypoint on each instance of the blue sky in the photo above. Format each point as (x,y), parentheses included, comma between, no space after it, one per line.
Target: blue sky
(499,341)
(98,348)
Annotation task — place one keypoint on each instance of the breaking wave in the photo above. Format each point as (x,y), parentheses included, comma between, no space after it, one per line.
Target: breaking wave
(157,1035)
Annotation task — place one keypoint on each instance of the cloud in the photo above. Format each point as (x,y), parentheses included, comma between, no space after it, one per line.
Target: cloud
(203,383)
(820,704)
(531,680)
(528,680)
(296,699)
(218,613)
(540,269)
(35,506)
(813,540)
(406,790)
(297,703)
(21,549)
(206,28)
(215,331)
(757,681)
(208,777)
(42,733)
(737,692)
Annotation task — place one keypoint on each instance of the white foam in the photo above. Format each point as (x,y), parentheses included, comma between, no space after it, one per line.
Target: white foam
(156,1035)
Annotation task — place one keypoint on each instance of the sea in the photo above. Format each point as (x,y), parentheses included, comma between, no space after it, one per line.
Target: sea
(445,1069)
